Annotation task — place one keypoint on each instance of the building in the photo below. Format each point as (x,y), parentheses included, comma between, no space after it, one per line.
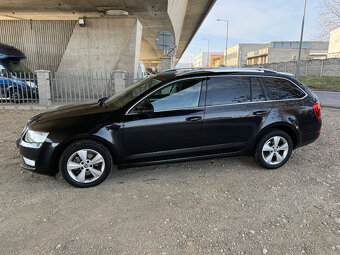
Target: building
(216,60)
(95,36)
(203,59)
(275,55)
(237,54)
(282,51)
(334,44)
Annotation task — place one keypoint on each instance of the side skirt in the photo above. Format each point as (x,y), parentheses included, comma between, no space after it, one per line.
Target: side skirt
(156,162)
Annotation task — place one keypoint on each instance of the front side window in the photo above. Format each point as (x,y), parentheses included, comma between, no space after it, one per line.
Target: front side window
(228,90)
(280,89)
(177,95)
(124,97)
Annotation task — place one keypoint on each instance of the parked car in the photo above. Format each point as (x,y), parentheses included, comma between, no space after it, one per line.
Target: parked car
(173,116)
(17,82)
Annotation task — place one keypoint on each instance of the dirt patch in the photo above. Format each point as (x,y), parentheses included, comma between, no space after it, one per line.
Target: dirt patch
(221,206)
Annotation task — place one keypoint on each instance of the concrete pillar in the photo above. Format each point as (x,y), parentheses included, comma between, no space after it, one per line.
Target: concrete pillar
(44,87)
(167,63)
(119,80)
(104,44)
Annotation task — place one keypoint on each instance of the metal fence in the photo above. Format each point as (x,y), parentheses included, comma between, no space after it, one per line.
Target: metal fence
(65,88)
(79,87)
(84,86)
(18,88)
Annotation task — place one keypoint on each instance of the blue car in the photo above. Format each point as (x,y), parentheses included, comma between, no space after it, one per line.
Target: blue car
(17,82)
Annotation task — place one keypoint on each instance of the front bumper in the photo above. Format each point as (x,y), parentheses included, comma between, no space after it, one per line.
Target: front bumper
(39,153)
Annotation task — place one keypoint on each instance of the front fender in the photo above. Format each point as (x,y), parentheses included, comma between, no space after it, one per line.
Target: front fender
(106,135)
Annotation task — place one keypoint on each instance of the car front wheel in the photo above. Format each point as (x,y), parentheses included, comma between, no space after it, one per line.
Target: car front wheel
(273,149)
(85,163)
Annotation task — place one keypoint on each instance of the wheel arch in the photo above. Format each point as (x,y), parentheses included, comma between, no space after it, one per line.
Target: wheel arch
(13,87)
(286,127)
(62,146)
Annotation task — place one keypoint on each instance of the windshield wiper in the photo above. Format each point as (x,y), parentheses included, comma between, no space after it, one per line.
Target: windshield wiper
(101,101)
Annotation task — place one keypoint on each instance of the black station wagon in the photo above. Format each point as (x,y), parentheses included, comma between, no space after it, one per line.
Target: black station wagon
(172,116)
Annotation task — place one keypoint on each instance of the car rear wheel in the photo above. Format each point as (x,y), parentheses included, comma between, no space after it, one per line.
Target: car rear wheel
(273,149)
(85,163)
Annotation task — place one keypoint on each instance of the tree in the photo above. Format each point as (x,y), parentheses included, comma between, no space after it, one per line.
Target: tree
(329,17)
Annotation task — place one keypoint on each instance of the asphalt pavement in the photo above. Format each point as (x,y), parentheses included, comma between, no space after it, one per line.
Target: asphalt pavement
(329,98)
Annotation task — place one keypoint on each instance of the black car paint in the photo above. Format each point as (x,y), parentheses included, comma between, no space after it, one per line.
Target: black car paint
(173,135)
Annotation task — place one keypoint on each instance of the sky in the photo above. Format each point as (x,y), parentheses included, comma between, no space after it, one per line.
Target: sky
(253,21)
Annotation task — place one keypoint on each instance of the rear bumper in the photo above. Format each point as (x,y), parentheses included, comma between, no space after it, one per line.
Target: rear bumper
(311,133)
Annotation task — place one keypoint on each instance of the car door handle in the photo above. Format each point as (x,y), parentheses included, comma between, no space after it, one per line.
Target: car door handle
(194,118)
(260,113)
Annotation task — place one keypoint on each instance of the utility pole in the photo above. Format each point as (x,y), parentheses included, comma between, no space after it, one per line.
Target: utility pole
(301,39)
(226,40)
(208,57)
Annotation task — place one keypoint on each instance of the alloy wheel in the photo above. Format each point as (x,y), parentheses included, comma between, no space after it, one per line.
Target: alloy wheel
(275,150)
(15,96)
(85,165)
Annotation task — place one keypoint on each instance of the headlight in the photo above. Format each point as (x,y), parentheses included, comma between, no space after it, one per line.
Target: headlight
(35,136)
(31,84)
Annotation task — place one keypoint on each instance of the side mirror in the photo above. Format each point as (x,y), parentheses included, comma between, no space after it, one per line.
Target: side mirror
(101,101)
(144,107)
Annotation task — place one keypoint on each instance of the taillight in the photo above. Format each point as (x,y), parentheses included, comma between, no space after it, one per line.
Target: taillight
(317,110)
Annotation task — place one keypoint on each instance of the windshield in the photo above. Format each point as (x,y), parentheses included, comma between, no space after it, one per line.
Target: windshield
(15,66)
(132,92)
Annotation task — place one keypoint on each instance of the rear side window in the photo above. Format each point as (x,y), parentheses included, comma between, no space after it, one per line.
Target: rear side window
(281,89)
(228,90)
(257,93)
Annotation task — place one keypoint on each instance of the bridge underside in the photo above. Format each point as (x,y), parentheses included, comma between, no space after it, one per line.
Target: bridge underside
(132,36)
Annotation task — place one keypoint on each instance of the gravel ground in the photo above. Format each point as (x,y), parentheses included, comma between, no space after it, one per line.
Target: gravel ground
(222,206)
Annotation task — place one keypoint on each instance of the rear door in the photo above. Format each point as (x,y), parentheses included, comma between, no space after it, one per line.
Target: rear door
(235,110)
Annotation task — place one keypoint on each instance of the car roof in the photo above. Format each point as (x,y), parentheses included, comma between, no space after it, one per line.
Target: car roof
(180,72)
(10,52)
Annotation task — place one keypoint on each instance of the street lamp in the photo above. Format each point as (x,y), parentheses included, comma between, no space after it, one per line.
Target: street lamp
(208,57)
(226,41)
(300,47)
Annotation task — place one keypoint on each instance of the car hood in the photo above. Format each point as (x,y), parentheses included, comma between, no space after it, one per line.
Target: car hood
(71,111)
(81,117)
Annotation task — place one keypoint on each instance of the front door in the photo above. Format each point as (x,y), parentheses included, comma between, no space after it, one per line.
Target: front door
(173,130)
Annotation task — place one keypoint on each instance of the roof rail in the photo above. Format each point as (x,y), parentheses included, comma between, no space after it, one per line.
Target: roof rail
(219,69)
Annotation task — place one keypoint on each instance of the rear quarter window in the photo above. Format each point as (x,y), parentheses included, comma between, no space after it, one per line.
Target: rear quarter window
(279,89)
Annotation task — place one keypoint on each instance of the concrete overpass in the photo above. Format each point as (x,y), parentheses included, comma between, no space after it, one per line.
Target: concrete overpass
(116,35)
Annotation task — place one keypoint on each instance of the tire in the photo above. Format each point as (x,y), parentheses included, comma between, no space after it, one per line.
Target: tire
(87,173)
(15,95)
(273,149)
